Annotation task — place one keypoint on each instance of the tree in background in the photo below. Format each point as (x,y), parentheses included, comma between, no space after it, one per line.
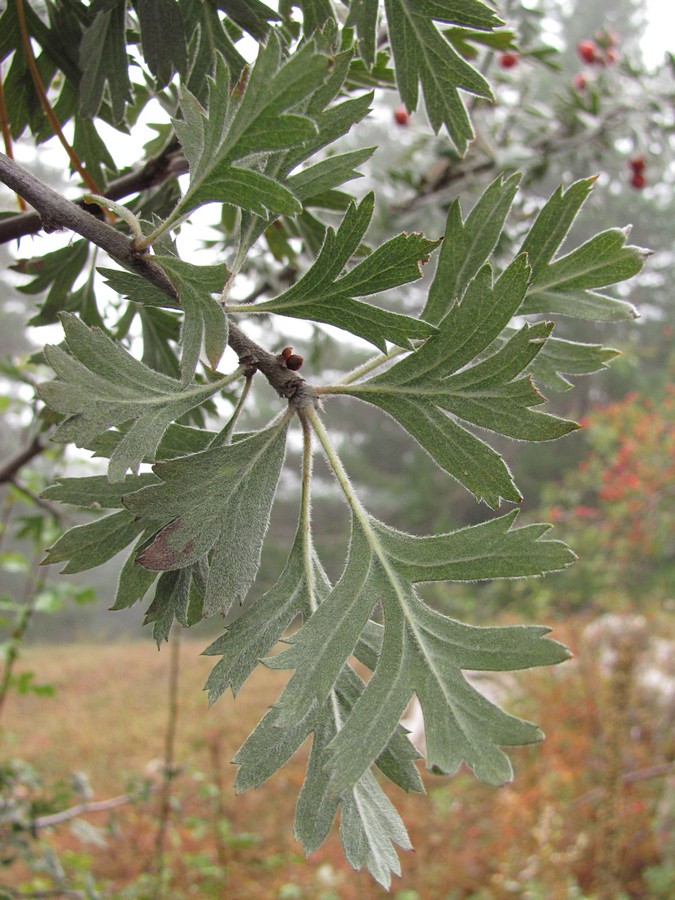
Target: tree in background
(140,373)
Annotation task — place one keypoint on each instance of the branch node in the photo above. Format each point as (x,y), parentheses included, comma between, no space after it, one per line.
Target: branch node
(250,363)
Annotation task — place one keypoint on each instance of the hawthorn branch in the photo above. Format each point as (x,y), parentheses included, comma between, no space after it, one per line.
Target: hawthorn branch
(170,163)
(56,212)
(11,466)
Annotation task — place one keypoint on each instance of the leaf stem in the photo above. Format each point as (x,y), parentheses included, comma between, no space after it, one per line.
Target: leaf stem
(306,510)
(367,367)
(225,435)
(336,465)
(7,137)
(46,105)
(169,761)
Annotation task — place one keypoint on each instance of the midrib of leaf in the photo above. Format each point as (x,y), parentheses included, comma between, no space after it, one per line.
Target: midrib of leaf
(423,390)
(544,283)
(422,43)
(206,389)
(306,516)
(371,536)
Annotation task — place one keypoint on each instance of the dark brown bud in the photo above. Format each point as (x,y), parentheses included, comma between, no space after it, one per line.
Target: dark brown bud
(294,362)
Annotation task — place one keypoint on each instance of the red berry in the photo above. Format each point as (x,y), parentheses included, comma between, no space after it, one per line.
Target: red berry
(588,51)
(638,180)
(508,60)
(637,164)
(401,115)
(579,81)
(611,55)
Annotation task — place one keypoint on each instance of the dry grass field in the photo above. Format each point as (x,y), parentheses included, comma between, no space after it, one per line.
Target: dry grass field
(547,835)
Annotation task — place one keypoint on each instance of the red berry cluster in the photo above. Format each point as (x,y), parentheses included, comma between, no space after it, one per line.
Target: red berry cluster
(599,52)
(637,166)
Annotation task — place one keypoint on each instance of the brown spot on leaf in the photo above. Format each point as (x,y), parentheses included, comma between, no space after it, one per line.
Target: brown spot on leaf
(159,556)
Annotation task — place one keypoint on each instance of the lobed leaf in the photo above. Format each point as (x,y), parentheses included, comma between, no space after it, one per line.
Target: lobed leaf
(422,651)
(566,285)
(101,386)
(256,118)
(439,378)
(422,55)
(103,60)
(216,502)
(324,294)
(467,245)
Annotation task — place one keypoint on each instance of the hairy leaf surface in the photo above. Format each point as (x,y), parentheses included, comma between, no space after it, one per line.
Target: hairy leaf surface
(439,378)
(101,386)
(423,652)
(371,815)
(422,55)
(325,294)
(217,502)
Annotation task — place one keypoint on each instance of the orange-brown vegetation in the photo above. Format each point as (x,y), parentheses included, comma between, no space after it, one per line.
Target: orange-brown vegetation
(582,813)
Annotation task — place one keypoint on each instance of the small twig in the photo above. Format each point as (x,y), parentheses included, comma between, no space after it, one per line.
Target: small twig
(170,163)
(7,507)
(92,806)
(656,771)
(11,466)
(553,145)
(34,583)
(169,762)
(54,511)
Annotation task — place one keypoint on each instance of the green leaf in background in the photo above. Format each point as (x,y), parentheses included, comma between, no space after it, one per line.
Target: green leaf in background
(178,595)
(56,273)
(315,13)
(324,294)
(92,150)
(163,37)
(103,60)
(217,500)
(363,17)
(423,55)
(99,385)
(439,378)
(251,15)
